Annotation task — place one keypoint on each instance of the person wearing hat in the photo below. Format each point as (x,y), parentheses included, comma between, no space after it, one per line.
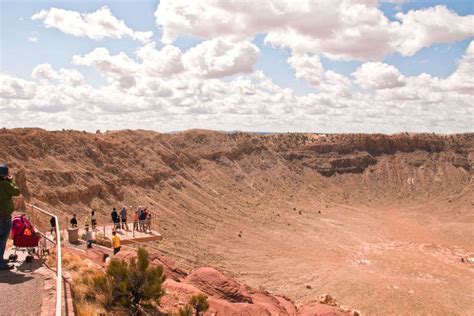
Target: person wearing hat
(8,189)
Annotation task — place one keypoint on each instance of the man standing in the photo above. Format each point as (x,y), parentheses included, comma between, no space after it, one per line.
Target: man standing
(8,189)
(123,216)
(115,219)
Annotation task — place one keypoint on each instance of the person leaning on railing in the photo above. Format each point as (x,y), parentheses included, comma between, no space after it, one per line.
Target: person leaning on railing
(8,189)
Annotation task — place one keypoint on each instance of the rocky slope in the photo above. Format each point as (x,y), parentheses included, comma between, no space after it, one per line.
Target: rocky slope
(77,168)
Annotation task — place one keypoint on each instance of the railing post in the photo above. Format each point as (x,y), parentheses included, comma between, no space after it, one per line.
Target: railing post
(59,278)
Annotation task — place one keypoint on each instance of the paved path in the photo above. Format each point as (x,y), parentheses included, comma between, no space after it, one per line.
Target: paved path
(21,290)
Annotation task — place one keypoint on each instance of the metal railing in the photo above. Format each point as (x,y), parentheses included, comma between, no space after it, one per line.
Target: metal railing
(143,226)
(32,211)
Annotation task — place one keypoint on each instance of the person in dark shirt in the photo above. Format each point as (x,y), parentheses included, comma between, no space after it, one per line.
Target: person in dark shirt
(115,219)
(52,221)
(73,221)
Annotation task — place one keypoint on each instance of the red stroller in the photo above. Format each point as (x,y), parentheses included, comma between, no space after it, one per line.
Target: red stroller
(25,238)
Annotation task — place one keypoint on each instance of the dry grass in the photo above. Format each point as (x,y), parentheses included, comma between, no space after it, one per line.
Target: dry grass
(87,300)
(72,262)
(89,309)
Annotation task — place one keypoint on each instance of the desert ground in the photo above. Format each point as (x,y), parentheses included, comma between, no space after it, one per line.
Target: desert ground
(379,222)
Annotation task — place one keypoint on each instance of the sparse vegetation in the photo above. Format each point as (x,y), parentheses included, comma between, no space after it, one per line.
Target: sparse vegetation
(198,303)
(122,285)
(186,310)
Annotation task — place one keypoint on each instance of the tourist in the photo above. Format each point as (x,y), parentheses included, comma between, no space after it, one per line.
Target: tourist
(73,221)
(8,189)
(93,219)
(115,219)
(52,221)
(148,221)
(144,216)
(87,221)
(88,237)
(115,242)
(123,215)
(135,220)
(141,220)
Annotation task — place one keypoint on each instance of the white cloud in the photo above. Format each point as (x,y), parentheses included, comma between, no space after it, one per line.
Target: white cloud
(209,59)
(16,88)
(336,84)
(219,58)
(70,77)
(96,25)
(33,39)
(377,75)
(343,30)
(249,102)
(425,91)
(309,68)
(44,71)
(164,62)
(424,27)
(462,80)
(340,29)
(111,66)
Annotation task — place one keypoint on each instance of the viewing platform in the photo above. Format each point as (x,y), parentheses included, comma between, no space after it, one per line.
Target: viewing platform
(102,234)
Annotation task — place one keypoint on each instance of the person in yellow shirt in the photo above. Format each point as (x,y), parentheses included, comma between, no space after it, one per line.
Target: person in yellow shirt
(115,242)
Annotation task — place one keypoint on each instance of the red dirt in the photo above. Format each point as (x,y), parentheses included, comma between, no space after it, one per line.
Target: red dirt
(225,295)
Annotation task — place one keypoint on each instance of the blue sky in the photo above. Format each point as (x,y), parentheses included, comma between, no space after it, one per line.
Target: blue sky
(20,55)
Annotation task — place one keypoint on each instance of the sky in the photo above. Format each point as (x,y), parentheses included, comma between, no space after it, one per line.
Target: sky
(325,66)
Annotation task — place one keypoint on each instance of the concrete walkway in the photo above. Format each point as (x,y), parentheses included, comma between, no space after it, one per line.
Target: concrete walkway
(21,290)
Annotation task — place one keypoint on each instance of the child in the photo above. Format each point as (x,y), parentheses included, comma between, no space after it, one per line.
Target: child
(115,242)
(88,237)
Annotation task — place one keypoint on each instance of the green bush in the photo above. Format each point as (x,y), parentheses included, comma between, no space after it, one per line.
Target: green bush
(117,272)
(199,303)
(145,283)
(186,310)
(129,284)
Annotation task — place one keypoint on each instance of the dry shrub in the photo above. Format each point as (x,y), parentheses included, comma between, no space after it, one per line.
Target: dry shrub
(88,309)
(122,288)
(87,299)
(72,262)
(51,259)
